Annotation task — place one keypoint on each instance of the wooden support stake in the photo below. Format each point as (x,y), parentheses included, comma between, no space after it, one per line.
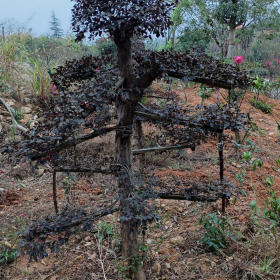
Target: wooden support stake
(54,193)
(221,162)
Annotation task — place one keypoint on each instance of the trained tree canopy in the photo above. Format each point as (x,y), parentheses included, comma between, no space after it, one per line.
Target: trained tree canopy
(110,90)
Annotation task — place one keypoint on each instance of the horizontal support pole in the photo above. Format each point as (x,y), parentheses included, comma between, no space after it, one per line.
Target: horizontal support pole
(188,198)
(83,170)
(160,149)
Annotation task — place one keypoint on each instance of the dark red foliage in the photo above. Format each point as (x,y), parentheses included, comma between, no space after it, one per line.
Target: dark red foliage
(121,18)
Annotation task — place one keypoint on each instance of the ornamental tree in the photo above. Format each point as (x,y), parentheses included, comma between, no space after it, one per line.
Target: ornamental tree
(95,92)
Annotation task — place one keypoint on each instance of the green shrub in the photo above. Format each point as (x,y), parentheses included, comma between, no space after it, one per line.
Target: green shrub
(265,108)
(218,231)
(271,213)
(105,230)
(7,254)
(17,114)
(105,46)
(205,93)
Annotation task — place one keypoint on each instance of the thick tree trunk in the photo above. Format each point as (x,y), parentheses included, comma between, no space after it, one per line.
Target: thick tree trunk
(129,230)
(125,111)
(231,43)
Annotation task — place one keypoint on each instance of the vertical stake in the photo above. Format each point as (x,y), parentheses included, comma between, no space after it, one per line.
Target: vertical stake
(54,192)
(221,162)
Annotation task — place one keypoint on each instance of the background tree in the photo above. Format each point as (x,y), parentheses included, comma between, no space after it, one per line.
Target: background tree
(220,19)
(55,26)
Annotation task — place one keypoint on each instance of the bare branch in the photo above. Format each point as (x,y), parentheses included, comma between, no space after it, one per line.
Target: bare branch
(10,110)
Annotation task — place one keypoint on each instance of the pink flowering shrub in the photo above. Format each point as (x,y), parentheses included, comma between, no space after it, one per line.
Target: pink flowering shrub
(238,59)
(273,67)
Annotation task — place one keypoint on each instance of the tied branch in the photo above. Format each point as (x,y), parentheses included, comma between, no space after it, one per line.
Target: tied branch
(73,142)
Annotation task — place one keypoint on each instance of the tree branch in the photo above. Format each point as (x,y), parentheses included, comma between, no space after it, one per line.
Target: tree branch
(65,221)
(76,141)
(203,80)
(10,110)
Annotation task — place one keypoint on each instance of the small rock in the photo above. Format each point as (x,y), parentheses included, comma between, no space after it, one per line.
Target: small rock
(27,118)
(168,266)
(188,203)
(114,243)
(180,209)
(39,172)
(97,191)
(26,110)
(87,238)
(92,257)
(27,100)
(149,241)
(8,244)
(236,165)
(185,213)
(32,124)
(10,103)
(156,267)
(178,240)
(140,275)
(21,170)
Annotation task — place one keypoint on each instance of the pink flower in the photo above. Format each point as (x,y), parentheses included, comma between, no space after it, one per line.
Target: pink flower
(277,60)
(54,90)
(269,63)
(97,69)
(21,215)
(238,59)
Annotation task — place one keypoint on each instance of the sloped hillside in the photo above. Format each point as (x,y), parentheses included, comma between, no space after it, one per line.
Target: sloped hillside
(172,244)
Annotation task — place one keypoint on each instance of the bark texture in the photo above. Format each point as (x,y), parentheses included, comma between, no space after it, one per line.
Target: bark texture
(231,43)
(125,111)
